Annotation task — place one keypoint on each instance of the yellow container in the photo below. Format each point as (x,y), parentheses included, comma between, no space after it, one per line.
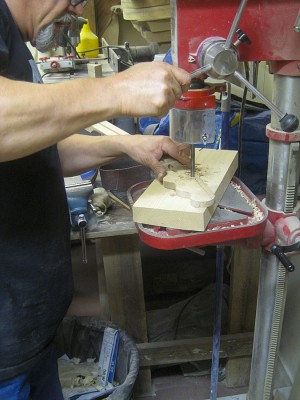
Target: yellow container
(88,41)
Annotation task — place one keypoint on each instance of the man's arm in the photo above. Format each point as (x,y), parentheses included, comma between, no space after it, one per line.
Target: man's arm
(80,153)
(36,116)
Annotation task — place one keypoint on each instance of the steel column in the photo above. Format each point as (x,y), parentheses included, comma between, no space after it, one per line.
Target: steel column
(282,186)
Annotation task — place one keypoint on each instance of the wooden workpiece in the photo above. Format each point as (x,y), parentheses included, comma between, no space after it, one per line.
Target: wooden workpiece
(161,206)
(194,188)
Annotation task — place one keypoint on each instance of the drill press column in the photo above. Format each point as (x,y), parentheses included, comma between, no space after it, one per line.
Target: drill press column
(281,196)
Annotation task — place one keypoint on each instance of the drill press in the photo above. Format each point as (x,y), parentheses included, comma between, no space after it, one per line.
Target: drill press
(275,38)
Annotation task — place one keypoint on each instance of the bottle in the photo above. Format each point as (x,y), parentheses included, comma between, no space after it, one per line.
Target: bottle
(88,41)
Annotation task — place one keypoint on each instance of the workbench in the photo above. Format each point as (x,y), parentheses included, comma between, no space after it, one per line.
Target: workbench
(121,293)
(121,297)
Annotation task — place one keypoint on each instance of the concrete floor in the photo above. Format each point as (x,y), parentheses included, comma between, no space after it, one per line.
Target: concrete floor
(168,383)
(171,384)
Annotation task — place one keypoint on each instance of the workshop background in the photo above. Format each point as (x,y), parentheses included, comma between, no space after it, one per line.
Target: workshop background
(178,285)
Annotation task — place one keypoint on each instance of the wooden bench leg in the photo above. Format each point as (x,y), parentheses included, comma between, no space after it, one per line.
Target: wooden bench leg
(242,309)
(121,291)
(103,297)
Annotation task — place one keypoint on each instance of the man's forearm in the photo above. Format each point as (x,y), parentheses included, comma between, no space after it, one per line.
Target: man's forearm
(41,115)
(35,116)
(80,153)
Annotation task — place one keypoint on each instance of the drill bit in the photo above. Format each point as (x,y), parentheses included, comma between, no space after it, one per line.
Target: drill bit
(192,146)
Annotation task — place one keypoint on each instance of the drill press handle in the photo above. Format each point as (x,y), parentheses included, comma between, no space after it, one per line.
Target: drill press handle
(218,58)
(288,122)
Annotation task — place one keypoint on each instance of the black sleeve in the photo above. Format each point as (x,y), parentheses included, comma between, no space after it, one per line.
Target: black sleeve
(15,57)
(3,40)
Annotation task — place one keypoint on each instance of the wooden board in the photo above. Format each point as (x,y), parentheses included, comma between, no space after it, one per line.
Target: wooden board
(89,13)
(196,349)
(107,129)
(160,206)
(143,3)
(159,25)
(157,37)
(147,14)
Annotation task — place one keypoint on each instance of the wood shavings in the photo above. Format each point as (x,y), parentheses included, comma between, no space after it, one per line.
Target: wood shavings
(257,213)
(82,379)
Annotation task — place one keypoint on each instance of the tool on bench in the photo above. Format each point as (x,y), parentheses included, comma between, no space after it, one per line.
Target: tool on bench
(79,189)
(69,38)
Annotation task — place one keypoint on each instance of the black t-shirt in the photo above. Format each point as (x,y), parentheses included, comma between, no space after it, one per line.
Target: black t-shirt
(35,264)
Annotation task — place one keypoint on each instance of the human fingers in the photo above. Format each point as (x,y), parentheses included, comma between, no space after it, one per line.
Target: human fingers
(171,83)
(150,88)
(150,150)
(178,151)
(159,169)
(182,78)
(177,81)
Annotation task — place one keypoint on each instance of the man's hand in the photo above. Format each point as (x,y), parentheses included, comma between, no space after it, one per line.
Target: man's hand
(148,150)
(149,88)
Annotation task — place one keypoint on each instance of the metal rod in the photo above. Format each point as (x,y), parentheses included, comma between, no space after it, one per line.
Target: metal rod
(83,246)
(297,23)
(225,110)
(234,25)
(217,323)
(199,71)
(192,160)
(259,95)
(268,324)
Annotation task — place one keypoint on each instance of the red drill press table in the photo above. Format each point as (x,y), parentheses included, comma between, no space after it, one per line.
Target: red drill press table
(243,217)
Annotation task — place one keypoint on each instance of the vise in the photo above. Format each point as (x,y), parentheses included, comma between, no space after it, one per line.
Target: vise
(79,189)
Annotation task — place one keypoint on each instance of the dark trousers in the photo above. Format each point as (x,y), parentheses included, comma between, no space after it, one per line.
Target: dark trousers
(39,383)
